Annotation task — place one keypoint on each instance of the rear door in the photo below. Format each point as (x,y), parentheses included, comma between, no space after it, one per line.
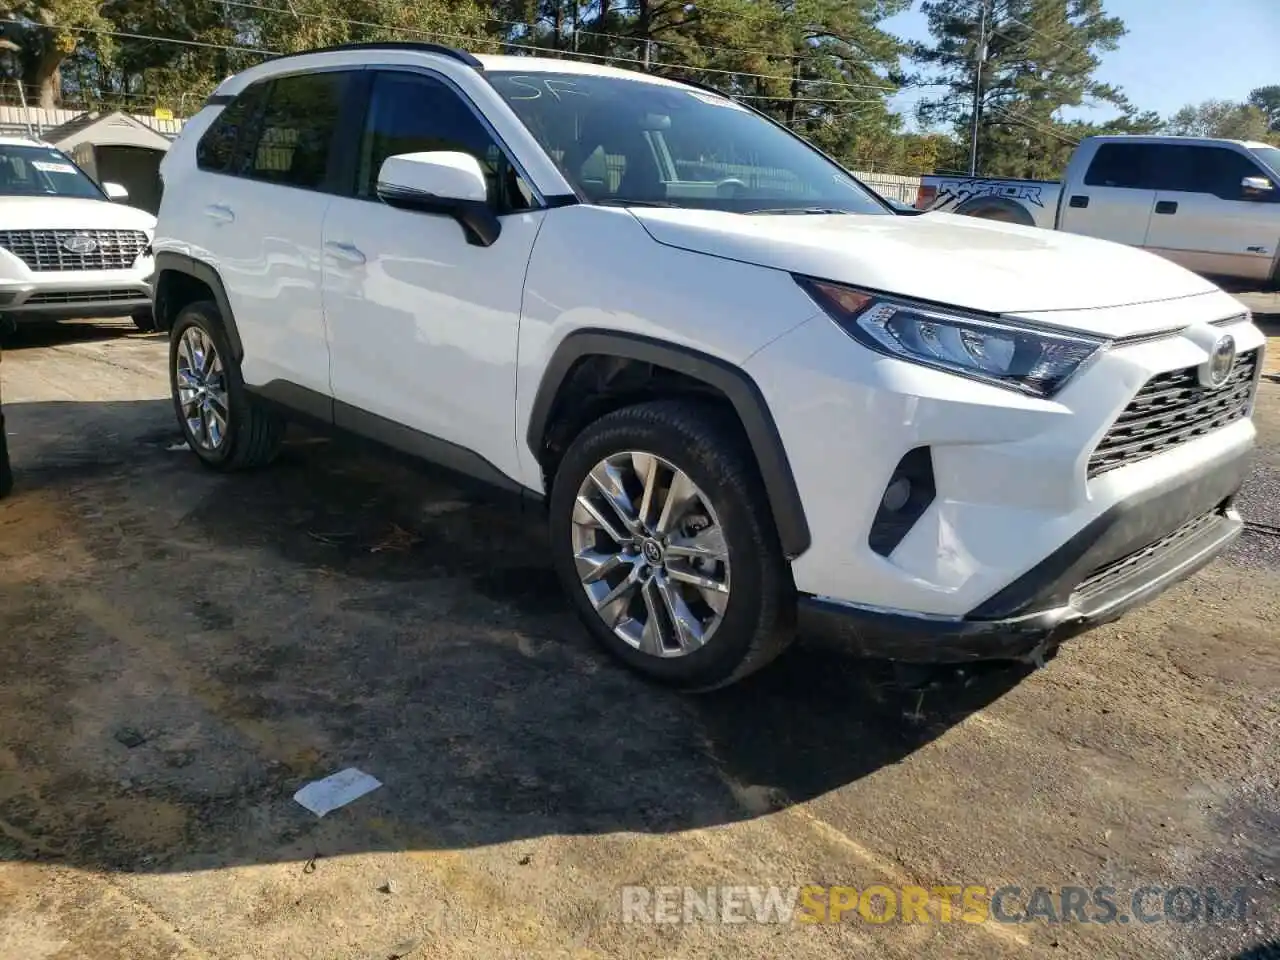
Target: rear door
(261,216)
(1204,218)
(1115,200)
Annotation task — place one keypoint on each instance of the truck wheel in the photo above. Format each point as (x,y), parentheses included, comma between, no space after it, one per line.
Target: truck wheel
(225,426)
(663,538)
(144,320)
(996,208)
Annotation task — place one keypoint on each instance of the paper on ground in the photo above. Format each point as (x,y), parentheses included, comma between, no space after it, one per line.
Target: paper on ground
(322,796)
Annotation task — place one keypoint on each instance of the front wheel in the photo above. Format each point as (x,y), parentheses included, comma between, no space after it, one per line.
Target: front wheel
(664,540)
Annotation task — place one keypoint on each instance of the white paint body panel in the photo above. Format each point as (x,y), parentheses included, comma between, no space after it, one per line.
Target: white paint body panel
(424,332)
(944,258)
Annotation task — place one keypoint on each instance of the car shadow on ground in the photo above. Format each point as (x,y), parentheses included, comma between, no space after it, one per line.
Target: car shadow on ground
(33,335)
(180,651)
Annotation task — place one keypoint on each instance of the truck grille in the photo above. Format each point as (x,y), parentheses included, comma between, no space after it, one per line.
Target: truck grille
(85,296)
(99,249)
(1171,409)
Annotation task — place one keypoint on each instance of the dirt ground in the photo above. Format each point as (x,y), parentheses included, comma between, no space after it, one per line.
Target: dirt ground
(181,651)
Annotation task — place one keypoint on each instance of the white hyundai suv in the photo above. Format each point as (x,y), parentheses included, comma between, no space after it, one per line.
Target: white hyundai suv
(753,398)
(68,248)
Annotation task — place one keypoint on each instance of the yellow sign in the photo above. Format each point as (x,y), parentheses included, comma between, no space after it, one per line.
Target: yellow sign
(163,113)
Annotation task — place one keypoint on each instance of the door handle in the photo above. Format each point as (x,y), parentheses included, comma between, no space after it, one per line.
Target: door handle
(345,251)
(1166,206)
(1079,201)
(220,212)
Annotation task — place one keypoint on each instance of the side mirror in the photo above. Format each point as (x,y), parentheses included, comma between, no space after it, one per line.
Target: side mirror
(446,182)
(1257,187)
(115,191)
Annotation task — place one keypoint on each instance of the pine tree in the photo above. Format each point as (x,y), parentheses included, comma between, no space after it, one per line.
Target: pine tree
(1039,56)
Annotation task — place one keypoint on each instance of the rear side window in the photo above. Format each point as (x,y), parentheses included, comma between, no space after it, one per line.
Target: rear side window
(297,130)
(1122,165)
(233,126)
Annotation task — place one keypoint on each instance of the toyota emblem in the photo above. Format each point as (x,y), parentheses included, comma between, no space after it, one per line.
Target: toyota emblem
(1213,372)
(80,244)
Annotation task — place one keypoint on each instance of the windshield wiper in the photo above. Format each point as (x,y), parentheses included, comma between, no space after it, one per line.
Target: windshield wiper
(623,202)
(796,210)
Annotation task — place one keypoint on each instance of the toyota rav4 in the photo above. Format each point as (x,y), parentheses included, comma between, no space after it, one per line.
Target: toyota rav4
(753,398)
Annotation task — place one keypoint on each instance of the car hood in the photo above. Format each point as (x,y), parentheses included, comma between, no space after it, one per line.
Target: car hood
(961,261)
(71,213)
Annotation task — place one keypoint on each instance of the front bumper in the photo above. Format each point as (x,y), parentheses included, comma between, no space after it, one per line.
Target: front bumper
(1128,555)
(65,299)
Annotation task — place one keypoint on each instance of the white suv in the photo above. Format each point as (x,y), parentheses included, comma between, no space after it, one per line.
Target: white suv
(67,247)
(753,397)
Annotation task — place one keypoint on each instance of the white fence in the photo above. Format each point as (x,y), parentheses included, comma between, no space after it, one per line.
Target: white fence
(33,121)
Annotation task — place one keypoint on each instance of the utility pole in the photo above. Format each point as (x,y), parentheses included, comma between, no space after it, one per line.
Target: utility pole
(977,87)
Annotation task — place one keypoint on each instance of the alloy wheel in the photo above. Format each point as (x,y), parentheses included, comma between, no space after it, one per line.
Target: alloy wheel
(202,389)
(651,554)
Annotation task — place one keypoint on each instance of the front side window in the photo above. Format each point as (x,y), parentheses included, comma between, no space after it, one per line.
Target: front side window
(634,141)
(34,171)
(297,130)
(1215,171)
(412,113)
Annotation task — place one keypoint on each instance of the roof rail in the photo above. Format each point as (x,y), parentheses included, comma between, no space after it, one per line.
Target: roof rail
(412,45)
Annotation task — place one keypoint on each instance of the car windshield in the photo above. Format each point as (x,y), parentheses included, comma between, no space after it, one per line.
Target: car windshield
(1270,157)
(42,172)
(636,142)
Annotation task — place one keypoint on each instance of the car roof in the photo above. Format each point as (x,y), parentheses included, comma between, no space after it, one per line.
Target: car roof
(1169,137)
(366,54)
(21,142)
(507,63)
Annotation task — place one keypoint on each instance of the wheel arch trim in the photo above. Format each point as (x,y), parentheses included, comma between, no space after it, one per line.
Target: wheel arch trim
(168,261)
(734,383)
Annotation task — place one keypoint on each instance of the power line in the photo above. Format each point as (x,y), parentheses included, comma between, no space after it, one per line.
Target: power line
(522,45)
(1039,128)
(496,42)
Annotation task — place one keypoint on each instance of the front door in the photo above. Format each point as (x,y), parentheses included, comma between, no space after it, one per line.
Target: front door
(423,326)
(1115,200)
(1206,220)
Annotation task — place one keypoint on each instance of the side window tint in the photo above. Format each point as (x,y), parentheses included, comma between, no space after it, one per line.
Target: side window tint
(232,126)
(411,113)
(298,126)
(1223,172)
(1120,165)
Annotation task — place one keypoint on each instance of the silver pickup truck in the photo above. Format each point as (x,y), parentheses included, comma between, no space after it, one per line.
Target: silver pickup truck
(1210,205)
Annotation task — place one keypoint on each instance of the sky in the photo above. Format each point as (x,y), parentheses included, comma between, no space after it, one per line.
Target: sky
(1175,52)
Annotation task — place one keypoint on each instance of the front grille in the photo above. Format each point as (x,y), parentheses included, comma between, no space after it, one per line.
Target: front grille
(85,296)
(46,249)
(1173,408)
(1108,573)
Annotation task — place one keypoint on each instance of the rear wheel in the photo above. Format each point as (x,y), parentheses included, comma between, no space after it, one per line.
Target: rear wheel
(664,541)
(225,426)
(144,320)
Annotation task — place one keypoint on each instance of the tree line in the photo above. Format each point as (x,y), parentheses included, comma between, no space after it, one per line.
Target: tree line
(829,69)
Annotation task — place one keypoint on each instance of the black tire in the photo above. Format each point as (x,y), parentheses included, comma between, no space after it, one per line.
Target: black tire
(708,444)
(1000,209)
(253,433)
(6,474)
(144,320)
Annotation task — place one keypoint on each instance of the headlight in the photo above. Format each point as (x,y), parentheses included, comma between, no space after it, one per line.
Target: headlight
(1002,352)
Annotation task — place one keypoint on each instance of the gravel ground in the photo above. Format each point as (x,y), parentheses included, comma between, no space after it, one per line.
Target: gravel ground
(180,652)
